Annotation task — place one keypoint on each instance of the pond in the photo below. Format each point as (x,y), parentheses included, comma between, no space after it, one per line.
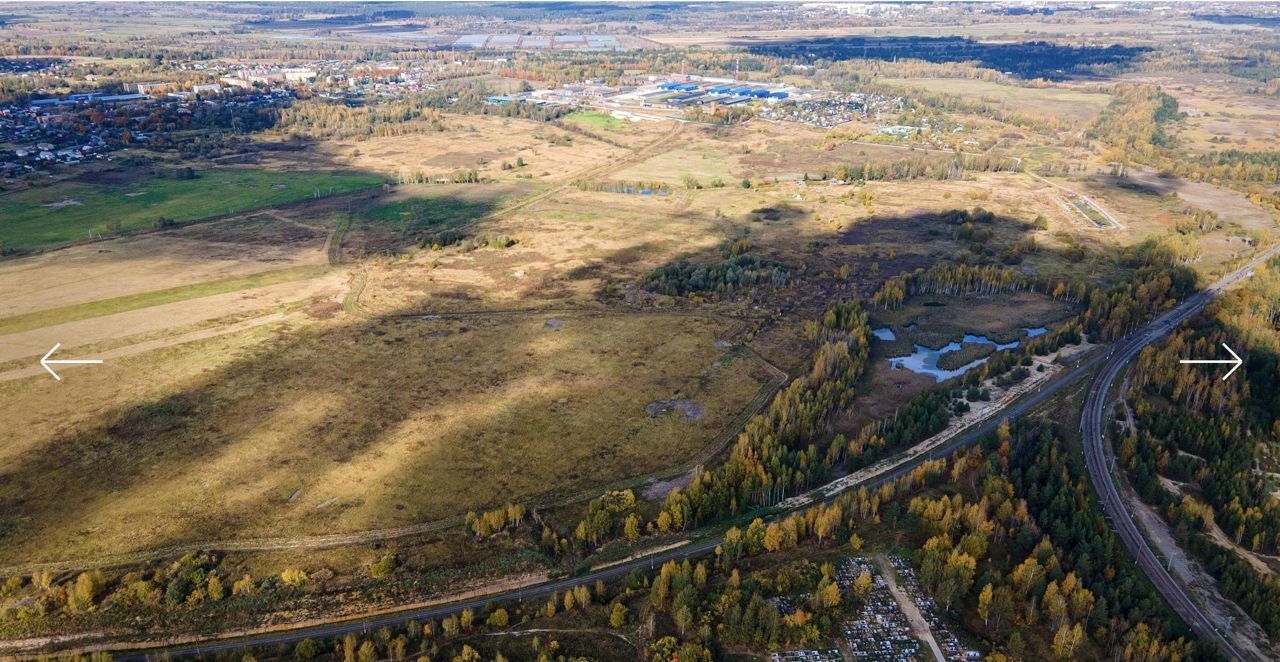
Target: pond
(924,361)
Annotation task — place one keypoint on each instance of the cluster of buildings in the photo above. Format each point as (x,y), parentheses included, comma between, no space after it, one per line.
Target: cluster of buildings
(88,97)
(829,655)
(40,142)
(936,135)
(832,111)
(678,91)
(29,65)
(74,128)
(26,159)
(662,97)
(657,97)
(268,77)
(146,91)
(68,129)
(174,90)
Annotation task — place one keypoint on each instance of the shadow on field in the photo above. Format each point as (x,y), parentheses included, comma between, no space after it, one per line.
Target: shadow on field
(1027,59)
(982,233)
(428,215)
(340,427)
(371,424)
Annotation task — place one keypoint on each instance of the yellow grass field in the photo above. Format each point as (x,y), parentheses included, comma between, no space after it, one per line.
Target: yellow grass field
(330,427)
(1221,114)
(1077,106)
(483,143)
(145,263)
(397,388)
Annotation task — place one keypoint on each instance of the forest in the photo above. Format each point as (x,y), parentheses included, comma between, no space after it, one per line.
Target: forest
(957,167)
(1136,122)
(1030,59)
(1215,438)
(788,448)
(737,270)
(1010,540)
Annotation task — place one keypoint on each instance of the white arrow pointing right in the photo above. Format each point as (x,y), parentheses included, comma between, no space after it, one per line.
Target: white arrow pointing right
(1235,360)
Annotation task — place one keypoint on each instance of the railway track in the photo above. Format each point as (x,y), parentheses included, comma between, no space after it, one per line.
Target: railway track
(1099,455)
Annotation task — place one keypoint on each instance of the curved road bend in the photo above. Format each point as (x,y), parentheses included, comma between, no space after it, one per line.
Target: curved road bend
(359,625)
(1099,454)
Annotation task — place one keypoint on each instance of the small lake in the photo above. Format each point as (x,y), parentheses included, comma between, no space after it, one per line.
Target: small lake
(644,191)
(924,361)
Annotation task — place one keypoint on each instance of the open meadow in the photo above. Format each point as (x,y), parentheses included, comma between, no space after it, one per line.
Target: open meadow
(259,446)
(756,151)
(145,264)
(396,308)
(615,129)
(529,333)
(1221,113)
(1075,107)
(110,203)
(527,149)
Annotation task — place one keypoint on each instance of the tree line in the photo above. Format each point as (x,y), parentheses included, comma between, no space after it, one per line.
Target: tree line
(1157,279)
(777,454)
(919,167)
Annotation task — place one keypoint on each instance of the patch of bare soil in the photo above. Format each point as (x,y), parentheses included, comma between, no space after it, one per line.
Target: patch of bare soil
(808,155)
(1231,206)
(901,230)
(323,310)
(69,202)
(658,489)
(458,159)
(687,410)
(780,212)
(1244,633)
(166,316)
(138,264)
(885,391)
(1219,536)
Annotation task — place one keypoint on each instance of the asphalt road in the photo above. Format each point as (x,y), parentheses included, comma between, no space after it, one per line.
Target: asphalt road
(1113,362)
(1099,455)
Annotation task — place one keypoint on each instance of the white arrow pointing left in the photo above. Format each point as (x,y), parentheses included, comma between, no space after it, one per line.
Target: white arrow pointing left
(45,361)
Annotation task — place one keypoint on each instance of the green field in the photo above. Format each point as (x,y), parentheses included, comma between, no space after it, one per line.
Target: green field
(70,210)
(594,120)
(427,213)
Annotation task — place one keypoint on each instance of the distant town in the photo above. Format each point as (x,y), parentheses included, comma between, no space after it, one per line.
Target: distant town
(72,128)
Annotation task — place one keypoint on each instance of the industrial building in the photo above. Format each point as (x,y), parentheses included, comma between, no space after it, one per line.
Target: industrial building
(697,91)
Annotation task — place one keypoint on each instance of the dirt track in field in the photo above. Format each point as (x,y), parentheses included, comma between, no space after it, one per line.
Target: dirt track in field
(157,318)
